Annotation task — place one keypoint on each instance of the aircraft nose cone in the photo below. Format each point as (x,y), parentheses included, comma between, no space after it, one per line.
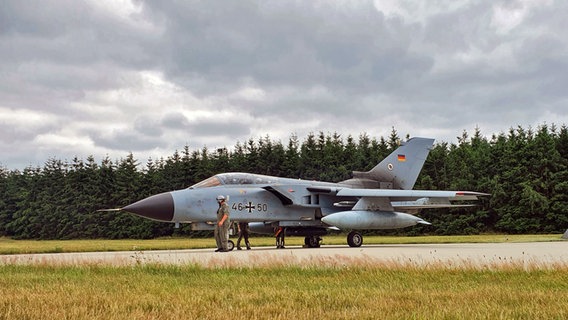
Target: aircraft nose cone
(157,207)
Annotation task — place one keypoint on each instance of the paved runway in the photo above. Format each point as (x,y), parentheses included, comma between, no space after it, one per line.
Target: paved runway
(477,255)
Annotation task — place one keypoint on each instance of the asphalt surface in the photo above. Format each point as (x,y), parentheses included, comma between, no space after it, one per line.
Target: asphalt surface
(476,255)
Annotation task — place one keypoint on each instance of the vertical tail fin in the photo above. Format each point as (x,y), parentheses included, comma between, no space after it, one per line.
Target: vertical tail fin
(400,169)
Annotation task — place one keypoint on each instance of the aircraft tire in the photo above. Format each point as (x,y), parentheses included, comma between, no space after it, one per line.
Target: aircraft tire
(354,239)
(230,245)
(312,241)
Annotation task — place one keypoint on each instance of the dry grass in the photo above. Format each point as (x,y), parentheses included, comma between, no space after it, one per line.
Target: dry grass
(357,291)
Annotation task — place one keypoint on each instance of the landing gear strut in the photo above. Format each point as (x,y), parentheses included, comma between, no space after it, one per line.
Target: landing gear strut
(312,241)
(354,239)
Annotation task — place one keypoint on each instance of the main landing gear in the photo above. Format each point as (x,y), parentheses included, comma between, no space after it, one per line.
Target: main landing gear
(355,239)
(312,241)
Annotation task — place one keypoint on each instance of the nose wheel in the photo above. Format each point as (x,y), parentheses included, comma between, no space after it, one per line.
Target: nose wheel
(230,245)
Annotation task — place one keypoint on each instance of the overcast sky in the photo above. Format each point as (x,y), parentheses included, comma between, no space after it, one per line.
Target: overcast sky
(80,78)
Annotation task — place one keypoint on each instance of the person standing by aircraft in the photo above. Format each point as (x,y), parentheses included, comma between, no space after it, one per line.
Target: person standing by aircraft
(243,233)
(280,233)
(222,225)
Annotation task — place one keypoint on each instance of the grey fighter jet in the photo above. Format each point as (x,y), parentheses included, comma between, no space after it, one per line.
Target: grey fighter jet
(381,198)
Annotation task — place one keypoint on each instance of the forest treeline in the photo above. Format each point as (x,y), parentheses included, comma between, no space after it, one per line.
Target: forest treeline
(524,170)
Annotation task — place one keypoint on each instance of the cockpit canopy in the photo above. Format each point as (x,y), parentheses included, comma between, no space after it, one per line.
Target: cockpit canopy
(234,178)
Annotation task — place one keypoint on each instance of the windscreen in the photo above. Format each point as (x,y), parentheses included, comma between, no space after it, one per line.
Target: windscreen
(234,179)
(207,183)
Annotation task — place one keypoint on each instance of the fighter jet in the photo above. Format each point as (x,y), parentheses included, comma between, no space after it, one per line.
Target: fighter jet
(381,198)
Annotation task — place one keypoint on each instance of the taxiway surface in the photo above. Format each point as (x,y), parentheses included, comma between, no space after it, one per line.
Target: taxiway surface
(533,254)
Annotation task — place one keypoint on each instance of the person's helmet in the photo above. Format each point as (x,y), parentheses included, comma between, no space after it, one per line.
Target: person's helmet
(220,197)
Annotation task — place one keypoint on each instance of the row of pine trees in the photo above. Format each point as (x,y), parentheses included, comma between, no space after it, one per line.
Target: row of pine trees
(524,170)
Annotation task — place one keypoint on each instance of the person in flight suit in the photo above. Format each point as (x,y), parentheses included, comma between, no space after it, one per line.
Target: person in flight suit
(222,225)
(243,233)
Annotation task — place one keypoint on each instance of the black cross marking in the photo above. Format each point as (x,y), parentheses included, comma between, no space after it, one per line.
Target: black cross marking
(249,206)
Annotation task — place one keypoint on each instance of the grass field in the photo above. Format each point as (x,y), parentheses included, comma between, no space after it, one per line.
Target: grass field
(357,292)
(347,291)
(10,246)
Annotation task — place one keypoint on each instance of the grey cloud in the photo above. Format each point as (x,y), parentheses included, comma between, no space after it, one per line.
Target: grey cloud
(69,32)
(122,140)
(223,127)
(48,19)
(20,131)
(302,42)
(462,29)
(11,135)
(147,126)
(176,121)
(52,52)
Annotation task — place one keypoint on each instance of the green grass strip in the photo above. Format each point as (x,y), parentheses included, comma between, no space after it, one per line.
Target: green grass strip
(191,292)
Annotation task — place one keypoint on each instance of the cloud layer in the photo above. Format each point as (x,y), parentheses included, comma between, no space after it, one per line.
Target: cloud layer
(109,77)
